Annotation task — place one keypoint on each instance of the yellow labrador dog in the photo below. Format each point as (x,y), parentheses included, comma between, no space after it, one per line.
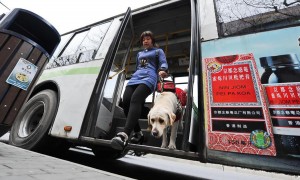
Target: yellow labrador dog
(162,115)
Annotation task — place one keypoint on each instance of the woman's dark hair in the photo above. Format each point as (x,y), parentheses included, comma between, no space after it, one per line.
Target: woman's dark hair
(147,33)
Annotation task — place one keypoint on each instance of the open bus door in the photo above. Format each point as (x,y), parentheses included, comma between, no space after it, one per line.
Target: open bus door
(107,91)
(194,136)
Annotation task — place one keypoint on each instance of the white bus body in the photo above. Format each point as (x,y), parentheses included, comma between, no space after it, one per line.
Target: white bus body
(233,115)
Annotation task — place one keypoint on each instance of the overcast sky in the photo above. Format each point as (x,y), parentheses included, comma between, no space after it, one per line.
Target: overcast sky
(66,15)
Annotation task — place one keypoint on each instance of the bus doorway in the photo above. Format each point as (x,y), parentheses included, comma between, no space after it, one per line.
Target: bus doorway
(171,25)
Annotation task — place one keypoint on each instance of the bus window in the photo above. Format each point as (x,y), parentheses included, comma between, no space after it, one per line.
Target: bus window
(62,44)
(74,44)
(117,68)
(94,37)
(247,16)
(92,42)
(82,46)
(68,56)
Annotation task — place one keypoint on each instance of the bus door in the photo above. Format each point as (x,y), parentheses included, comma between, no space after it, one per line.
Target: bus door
(194,133)
(110,82)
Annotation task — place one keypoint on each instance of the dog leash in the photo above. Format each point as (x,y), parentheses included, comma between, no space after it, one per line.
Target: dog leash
(161,80)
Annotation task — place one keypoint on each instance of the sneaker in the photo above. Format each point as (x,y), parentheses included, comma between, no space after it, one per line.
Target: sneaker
(120,141)
(137,138)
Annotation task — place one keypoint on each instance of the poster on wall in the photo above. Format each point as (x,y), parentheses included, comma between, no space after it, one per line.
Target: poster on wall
(239,101)
(238,116)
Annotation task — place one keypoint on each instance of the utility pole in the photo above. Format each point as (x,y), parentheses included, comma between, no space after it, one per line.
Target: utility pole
(4,5)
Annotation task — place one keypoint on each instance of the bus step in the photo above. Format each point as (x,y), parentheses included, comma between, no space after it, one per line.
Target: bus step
(150,140)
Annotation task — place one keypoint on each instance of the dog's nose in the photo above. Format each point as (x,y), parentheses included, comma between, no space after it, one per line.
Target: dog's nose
(155,133)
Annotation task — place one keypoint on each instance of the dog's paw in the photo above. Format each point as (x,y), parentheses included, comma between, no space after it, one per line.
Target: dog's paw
(163,146)
(172,146)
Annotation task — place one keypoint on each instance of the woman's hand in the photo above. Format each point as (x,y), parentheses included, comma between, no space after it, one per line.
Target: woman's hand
(162,74)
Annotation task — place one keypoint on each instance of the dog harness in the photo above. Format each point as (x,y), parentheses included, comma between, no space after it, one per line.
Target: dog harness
(181,101)
(170,86)
(180,94)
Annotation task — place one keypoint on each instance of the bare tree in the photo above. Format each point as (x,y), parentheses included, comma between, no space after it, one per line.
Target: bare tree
(290,3)
(237,16)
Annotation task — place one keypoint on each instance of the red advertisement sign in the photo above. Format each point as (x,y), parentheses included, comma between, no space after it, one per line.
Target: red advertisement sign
(233,83)
(238,118)
(283,94)
(284,101)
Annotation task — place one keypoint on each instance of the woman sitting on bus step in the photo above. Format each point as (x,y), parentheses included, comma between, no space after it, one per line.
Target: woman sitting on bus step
(142,83)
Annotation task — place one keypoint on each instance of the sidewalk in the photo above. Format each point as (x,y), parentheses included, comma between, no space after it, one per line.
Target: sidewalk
(222,172)
(21,164)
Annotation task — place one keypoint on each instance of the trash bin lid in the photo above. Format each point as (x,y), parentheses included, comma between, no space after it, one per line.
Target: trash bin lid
(32,26)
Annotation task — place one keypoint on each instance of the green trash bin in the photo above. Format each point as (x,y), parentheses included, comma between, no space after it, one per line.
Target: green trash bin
(27,42)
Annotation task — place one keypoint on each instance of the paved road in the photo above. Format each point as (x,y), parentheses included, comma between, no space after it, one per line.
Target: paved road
(16,163)
(152,166)
(20,164)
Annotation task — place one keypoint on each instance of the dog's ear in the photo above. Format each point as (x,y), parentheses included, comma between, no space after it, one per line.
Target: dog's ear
(149,125)
(172,117)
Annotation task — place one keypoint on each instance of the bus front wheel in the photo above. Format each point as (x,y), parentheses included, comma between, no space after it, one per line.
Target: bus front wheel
(32,124)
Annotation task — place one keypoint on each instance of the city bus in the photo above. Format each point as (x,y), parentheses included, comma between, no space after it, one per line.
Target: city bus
(238,61)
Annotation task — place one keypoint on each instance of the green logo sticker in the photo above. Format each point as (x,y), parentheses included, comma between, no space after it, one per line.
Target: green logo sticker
(260,139)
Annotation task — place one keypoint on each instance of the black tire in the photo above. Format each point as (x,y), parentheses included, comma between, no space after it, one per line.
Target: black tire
(32,124)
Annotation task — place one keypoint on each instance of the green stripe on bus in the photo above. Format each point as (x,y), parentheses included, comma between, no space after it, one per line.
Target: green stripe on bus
(75,71)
